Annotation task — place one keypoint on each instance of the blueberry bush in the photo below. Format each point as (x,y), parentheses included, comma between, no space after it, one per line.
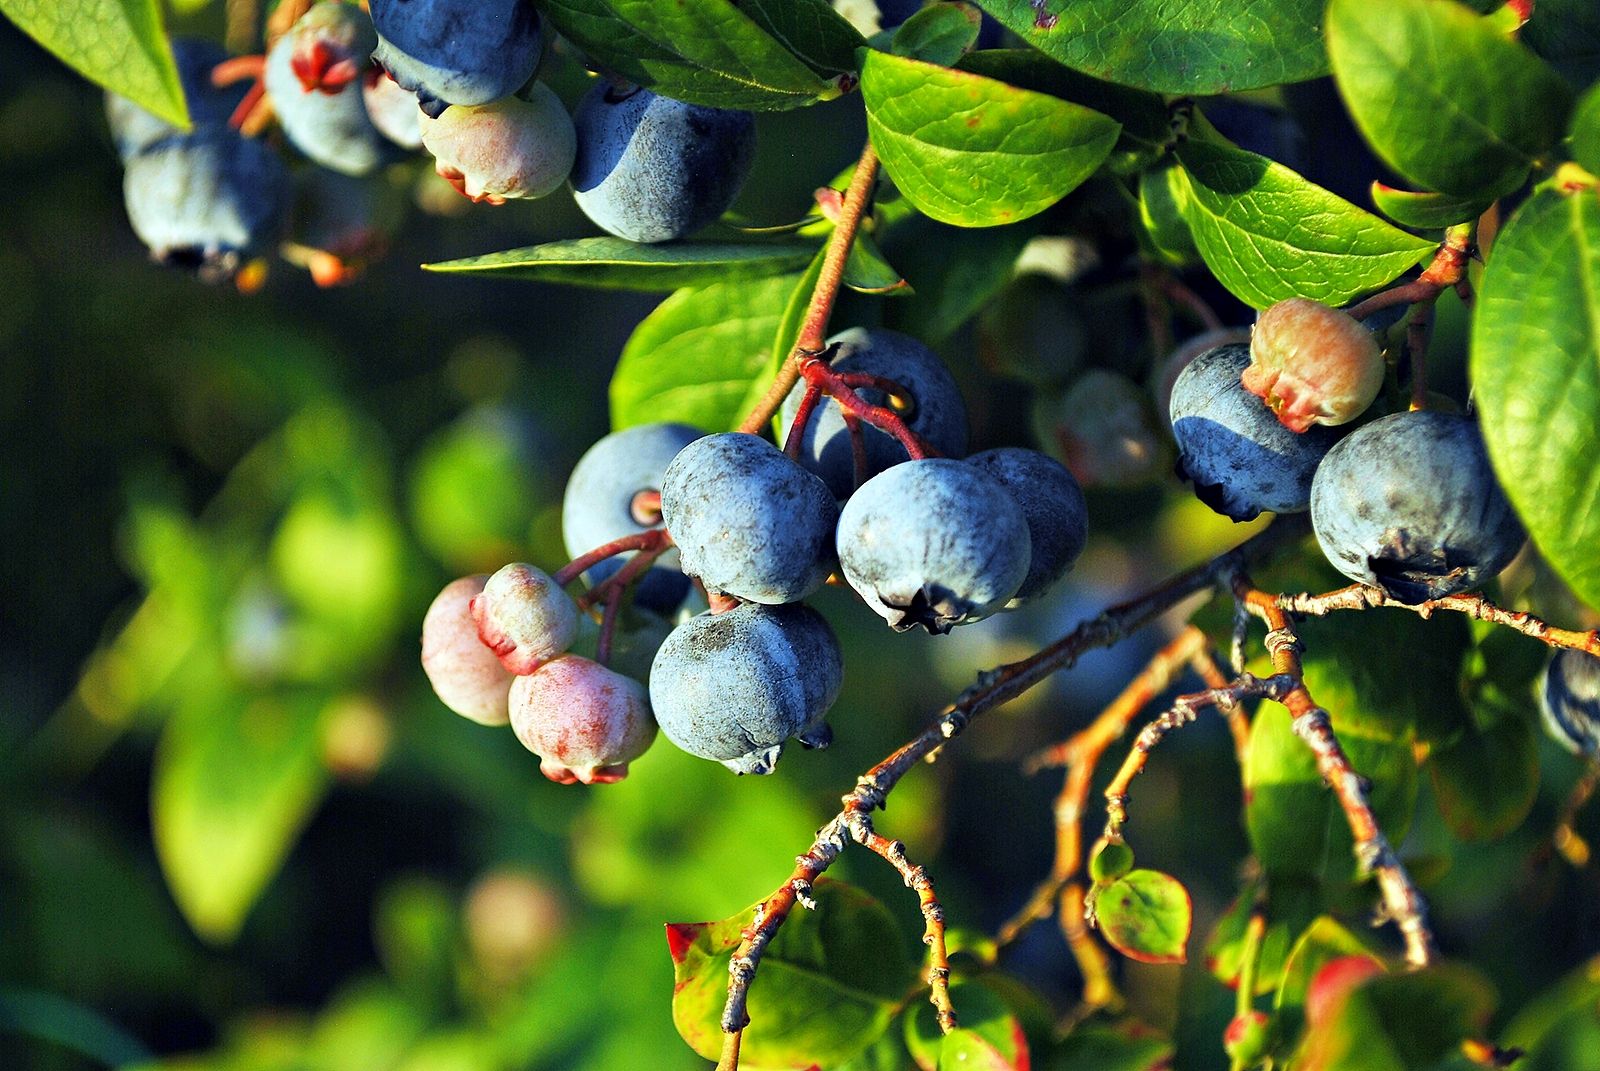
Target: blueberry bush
(1206,397)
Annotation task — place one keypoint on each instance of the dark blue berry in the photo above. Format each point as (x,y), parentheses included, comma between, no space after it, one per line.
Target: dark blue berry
(457,51)
(1051,501)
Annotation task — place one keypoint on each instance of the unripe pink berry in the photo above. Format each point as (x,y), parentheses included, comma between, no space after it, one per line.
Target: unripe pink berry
(466,675)
(524,617)
(584,721)
(1313,364)
(511,148)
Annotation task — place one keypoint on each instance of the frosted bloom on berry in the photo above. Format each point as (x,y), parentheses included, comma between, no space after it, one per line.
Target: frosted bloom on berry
(1313,364)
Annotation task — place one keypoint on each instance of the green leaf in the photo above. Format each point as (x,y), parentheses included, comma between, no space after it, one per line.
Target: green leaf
(1401,1020)
(1296,827)
(1324,941)
(1162,225)
(618,264)
(1583,138)
(1536,376)
(968,150)
(1390,675)
(939,34)
(1540,1021)
(118,44)
(758,55)
(1289,907)
(1445,98)
(989,1038)
(1487,778)
(1092,1047)
(1146,126)
(1426,211)
(828,985)
(866,270)
(1196,47)
(1146,915)
(953,271)
(235,779)
(694,357)
(1268,234)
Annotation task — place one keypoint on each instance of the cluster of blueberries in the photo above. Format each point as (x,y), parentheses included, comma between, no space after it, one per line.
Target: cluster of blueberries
(936,542)
(354,93)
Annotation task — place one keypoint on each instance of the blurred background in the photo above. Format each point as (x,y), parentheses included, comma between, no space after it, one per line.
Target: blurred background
(236,828)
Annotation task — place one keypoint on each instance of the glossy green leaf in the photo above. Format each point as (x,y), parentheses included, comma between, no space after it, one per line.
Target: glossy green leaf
(1296,826)
(235,779)
(1289,907)
(968,150)
(118,44)
(1488,777)
(1093,1047)
(1322,942)
(1146,126)
(1445,98)
(953,272)
(1268,234)
(1401,1020)
(868,272)
(761,55)
(1390,675)
(1162,226)
(1536,376)
(1146,915)
(1583,139)
(1196,47)
(939,34)
(694,357)
(1426,211)
(989,1037)
(828,986)
(618,264)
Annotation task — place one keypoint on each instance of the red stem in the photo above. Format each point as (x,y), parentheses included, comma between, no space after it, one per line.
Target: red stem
(608,626)
(802,417)
(818,374)
(633,569)
(655,539)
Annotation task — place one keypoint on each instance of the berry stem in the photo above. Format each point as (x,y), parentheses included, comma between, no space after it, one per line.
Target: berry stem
(641,541)
(608,625)
(1361,597)
(802,417)
(631,570)
(819,375)
(1250,964)
(814,329)
(1448,267)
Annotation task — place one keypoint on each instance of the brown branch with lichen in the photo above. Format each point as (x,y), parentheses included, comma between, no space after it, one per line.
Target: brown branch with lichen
(994,688)
(1403,904)
(1361,597)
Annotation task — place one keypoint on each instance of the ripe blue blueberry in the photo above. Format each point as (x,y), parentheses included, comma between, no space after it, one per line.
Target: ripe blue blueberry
(931,407)
(735,686)
(206,201)
(1409,504)
(1569,700)
(392,109)
(512,148)
(651,169)
(748,520)
(314,76)
(603,502)
(1052,502)
(936,543)
(133,129)
(1241,459)
(457,51)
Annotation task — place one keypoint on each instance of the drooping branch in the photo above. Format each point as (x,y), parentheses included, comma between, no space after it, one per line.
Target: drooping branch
(916,878)
(814,330)
(993,688)
(1360,597)
(1403,904)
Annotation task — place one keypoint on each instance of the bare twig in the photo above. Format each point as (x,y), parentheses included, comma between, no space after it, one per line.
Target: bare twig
(1206,667)
(916,878)
(1361,597)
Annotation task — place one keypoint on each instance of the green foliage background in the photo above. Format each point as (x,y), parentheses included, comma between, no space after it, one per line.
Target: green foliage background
(237,830)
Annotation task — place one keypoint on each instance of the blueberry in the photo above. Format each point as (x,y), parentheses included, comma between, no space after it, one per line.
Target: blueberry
(1240,458)
(1052,503)
(1569,700)
(1103,430)
(601,505)
(524,618)
(206,201)
(314,76)
(936,543)
(466,675)
(584,721)
(748,520)
(133,129)
(457,51)
(735,686)
(392,109)
(1409,504)
(513,148)
(651,169)
(932,407)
